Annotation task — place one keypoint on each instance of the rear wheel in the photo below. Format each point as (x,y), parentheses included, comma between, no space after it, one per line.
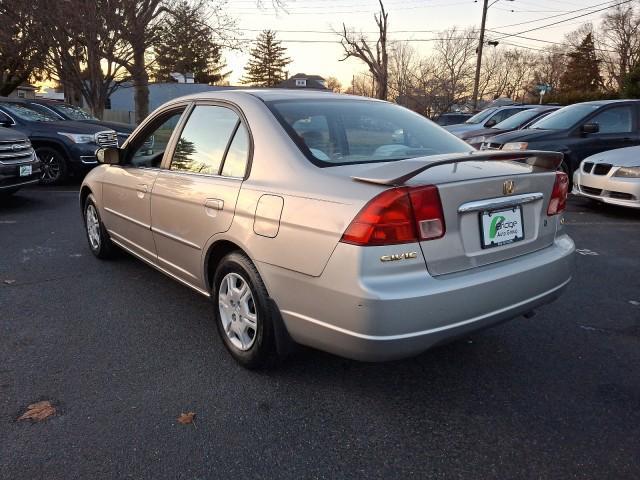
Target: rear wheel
(97,236)
(54,165)
(243,317)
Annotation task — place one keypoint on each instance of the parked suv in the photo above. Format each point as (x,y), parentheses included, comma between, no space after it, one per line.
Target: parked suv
(71,112)
(487,118)
(19,165)
(454,118)
(578,131)
(64,147)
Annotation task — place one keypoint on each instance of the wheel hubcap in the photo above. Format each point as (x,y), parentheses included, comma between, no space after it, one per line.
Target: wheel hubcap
(237,311)
(50,167)
(93,227)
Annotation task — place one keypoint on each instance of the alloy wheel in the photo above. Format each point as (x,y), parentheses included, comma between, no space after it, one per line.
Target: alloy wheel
(51,167)
(93,226)
(238,312)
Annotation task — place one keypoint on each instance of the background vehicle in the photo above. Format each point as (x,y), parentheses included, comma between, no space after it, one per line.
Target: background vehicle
(520,120)
(64,147)
(71,112)
(487,118)
(19,165)
(610,177)
(453,118)
(308,216)
(578,131)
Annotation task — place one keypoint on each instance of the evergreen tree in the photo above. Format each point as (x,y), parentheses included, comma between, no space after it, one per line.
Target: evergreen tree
(582,75)
(268,60)
(631,85)
(186,45)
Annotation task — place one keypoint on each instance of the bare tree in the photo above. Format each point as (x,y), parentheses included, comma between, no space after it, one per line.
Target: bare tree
(402,70)
(334,84)
(620,41)
(356,45)
(20,55)
(362,84)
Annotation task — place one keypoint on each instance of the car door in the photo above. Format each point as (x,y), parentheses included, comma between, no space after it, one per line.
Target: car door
(618,128)
(126,188)
(194,197)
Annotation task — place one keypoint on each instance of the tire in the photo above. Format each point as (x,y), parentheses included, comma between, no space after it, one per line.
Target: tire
(97,236)
(245,323)
(54,166)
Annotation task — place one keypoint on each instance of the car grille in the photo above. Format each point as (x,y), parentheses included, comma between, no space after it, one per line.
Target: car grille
(13,153)
(490,146)
(587,166)
(107,138)
(591,190)
(601,168)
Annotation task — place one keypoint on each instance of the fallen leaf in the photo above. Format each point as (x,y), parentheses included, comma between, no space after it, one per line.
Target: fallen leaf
(9,282)
(38,411)
(186,418)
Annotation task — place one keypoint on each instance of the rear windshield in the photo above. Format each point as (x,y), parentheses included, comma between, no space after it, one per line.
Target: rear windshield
(342,132)
(27,113)
(566,117)
(74,113)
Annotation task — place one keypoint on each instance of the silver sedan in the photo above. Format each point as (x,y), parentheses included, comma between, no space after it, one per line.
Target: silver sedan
(610,177)
(342,223)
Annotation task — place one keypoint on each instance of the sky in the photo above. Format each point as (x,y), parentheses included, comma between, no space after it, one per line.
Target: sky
(306,26)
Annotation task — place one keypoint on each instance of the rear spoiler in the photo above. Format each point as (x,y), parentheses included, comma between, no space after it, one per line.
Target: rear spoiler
(399,172)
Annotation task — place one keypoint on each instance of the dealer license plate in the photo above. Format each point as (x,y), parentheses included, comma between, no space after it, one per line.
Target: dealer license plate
(25,170)
(501,227)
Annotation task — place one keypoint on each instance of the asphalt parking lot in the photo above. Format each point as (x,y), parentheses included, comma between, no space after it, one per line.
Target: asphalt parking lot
(121,351)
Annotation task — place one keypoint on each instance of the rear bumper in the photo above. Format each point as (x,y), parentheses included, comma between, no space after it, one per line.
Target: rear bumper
(620,191)
(388,318)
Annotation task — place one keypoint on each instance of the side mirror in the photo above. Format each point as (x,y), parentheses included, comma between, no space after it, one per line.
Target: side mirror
(590,128)
(108,155)
(490,123)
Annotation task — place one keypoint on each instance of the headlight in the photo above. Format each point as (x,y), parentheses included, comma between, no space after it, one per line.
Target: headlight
(473,140)
(515,146)
(628,172)
(79,137)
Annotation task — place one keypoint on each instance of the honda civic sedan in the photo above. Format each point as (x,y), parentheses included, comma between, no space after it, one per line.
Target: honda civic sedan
(347,224)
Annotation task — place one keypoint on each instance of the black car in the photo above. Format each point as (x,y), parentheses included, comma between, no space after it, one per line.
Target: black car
(64,147)
(578,131)
(70,112)
(487,118)
(516,122)
(452,118)
(19,165)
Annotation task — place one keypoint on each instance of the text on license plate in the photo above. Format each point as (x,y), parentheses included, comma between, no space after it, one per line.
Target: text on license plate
(25,170)
(501,227)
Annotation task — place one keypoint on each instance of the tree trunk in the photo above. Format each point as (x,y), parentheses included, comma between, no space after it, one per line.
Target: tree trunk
(140,79)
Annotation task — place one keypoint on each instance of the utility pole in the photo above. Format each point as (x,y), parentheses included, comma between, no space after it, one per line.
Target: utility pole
(476,82)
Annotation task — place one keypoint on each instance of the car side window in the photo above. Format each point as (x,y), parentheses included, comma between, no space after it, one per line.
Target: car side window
(204,140)
(615,120)
(148,149)
(235,163)
(506,113)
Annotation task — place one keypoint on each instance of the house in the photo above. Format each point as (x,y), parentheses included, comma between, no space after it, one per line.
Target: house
(24,91)
(302,80)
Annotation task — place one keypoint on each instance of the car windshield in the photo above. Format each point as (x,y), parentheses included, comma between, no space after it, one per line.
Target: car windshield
(515,121)
(565,118)
(23,112)
(481,116)
(340,132)
(72,112)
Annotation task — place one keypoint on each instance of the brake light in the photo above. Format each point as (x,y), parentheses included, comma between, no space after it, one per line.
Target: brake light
(398,215)
(559,194)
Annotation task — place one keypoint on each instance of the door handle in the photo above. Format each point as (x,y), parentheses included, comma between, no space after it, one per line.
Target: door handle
(142,188)
(214,204)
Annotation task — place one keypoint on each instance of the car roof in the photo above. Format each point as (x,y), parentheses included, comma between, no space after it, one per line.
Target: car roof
(609,102)
(275,94)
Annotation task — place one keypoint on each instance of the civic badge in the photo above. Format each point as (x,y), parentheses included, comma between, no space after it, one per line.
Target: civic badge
(508,187)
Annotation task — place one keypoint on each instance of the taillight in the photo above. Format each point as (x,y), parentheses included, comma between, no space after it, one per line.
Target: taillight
(398,215)
(559,194)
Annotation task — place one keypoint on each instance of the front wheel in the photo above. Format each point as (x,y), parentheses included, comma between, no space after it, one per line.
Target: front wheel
(243,317)
(97,236)
(54,165)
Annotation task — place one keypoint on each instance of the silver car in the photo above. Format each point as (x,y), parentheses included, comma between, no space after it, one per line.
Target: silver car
(350,225)
(610,177)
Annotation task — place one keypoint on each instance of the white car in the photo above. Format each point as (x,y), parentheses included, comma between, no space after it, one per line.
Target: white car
(611,177)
